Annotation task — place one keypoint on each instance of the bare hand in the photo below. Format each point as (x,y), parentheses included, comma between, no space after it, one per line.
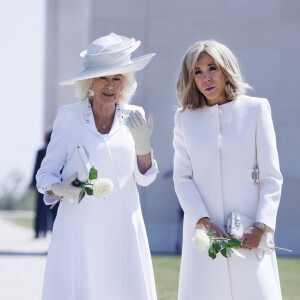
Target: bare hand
(220,232)
(209,225)
(251,237)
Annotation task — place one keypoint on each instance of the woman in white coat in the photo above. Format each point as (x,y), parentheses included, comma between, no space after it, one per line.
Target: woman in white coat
(221,137)
(99,248)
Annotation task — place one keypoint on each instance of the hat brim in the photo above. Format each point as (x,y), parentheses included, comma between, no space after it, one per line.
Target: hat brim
(135,65)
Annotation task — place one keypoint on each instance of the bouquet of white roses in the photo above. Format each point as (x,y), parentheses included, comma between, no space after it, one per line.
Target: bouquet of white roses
(100,188)
(205,240)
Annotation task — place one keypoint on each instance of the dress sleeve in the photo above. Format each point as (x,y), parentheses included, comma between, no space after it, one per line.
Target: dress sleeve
(49,172)
(270,177)
(187,193)
(149,176)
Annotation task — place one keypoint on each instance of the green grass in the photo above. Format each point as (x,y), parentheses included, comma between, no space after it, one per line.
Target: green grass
(289,273)
(166,270)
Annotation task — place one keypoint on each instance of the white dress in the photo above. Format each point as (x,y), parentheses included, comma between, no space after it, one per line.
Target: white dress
(99,248)
(215,147)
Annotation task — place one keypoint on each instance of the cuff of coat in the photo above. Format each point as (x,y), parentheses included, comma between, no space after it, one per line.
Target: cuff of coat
(44,188)
(149,176)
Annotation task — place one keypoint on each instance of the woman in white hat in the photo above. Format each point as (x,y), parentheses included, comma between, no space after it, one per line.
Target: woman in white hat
(99,248)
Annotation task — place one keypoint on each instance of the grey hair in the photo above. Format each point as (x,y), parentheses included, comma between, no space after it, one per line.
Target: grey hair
(188,94)
(129,85)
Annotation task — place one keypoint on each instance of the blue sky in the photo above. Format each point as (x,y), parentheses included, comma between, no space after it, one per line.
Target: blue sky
(22,25)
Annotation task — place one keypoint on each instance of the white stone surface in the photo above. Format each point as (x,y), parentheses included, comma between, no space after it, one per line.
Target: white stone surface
(18,239)
(22,262)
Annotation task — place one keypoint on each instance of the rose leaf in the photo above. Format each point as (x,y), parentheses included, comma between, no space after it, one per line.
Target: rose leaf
(211,233)
(212,252)
(93,173)
(81,196)
(234,243)
(89,191)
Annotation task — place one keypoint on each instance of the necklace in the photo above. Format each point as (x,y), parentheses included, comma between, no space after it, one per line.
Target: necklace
(104,127)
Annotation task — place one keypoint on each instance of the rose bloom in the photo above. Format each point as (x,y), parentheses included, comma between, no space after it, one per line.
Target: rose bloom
(200,240)
(102,188)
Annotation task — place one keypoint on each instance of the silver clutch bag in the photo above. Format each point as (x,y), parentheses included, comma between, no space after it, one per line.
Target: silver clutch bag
(236,224)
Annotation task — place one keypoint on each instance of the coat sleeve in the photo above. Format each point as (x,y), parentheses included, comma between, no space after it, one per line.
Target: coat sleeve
(49,172)
(268,163)
(147,178)
(187,193)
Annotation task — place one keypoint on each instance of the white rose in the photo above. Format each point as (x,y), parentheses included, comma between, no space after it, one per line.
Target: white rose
(200,240)
(102,188)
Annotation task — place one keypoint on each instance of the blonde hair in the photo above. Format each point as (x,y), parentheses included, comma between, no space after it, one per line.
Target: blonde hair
(188,94)
(129,85)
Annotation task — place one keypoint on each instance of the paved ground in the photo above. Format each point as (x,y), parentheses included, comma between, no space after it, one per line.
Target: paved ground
(22,262)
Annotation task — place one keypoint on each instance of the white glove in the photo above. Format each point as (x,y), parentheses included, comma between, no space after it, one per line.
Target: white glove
(66,189)
(141,131)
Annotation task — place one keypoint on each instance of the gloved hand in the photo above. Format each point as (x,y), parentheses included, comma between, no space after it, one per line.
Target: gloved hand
(66,189)
(141,131)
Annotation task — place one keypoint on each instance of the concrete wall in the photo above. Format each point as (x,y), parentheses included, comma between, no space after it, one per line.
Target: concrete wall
(263,35)
(66,31)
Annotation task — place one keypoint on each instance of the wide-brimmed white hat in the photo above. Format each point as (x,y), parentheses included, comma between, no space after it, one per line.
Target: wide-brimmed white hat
(110,55)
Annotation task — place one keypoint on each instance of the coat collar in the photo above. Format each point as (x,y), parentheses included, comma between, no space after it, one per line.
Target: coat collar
(118,122)
(225,106)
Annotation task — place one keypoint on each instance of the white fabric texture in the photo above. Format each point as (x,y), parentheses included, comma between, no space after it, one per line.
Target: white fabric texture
(214,148)
(99,248)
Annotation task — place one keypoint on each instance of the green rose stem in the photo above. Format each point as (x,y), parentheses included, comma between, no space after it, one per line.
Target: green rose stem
(226,239)
(87,187)
(283,249)
(82,184)
(220,244)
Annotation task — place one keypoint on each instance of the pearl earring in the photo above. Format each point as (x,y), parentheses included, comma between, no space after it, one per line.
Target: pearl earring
(91,93)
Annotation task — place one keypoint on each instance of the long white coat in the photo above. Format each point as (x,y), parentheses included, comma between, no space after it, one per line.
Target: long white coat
(99,248)
(214,149)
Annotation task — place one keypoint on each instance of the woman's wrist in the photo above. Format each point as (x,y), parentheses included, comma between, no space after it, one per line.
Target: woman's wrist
(144,162)
(260,225)
(205,222)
